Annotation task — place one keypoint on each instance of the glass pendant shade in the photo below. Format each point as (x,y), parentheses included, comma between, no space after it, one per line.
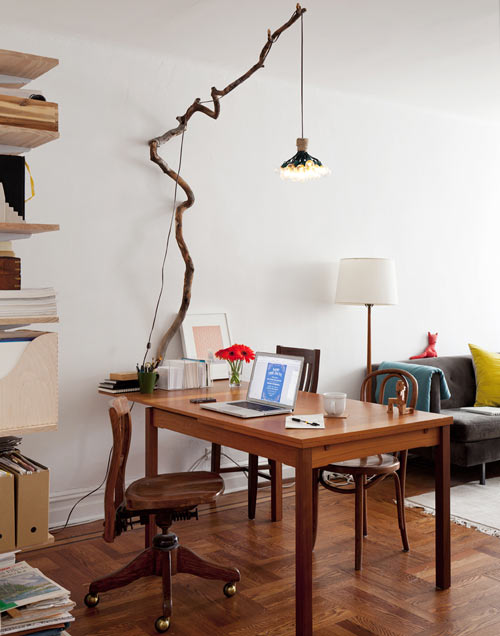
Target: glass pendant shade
(302,166)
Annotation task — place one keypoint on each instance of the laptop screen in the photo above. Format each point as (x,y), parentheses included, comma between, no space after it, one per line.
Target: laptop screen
(275,379)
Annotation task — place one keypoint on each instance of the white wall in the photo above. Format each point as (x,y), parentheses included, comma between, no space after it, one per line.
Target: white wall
(418,186)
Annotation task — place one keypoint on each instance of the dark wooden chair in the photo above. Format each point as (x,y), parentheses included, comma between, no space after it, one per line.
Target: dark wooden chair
(308,382)
(368,471)
(169,497)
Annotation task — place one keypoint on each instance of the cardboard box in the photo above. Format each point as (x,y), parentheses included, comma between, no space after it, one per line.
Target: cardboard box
(32,508)
(7,513)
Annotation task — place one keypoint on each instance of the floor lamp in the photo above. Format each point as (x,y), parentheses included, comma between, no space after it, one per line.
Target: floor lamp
(367,281)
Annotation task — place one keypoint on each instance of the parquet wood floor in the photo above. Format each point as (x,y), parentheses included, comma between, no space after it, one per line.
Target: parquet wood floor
(393,595)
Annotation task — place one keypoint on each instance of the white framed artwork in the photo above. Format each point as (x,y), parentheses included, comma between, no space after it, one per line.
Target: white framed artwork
(203,335)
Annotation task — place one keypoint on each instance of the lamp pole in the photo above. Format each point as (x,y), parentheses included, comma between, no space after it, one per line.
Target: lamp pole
(369,340)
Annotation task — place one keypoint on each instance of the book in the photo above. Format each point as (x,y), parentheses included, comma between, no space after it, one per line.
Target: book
(184,374)
(129,375)
(27,302)
(116,391)
(120,384)
(482,410)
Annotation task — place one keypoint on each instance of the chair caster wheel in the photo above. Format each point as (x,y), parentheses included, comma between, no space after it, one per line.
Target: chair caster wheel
(162,624)
(230,589)
(91,600)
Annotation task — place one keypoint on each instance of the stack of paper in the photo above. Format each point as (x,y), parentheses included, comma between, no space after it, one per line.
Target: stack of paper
(18,464)
(21,303)
(184,374)
(7,559)
(32,603)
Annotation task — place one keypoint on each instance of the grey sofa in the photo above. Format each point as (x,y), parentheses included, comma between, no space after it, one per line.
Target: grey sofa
(475,439)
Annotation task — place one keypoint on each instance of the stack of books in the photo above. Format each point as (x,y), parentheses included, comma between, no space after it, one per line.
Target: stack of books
(184,374)
(31,603)
(27,303)
(120,383)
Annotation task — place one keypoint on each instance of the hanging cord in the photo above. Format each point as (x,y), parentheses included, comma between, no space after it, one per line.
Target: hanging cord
(92,491)
(302,72)
(85,496)
(148,346)
(32,182)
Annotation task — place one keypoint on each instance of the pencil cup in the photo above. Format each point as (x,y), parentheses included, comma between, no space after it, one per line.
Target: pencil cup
(147,381)
(334,403)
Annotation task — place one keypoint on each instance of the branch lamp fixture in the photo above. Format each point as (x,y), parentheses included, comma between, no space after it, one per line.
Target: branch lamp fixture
(302,166)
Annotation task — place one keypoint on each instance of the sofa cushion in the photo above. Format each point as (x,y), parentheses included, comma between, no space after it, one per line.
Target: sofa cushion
(487,367)
(472,427)
(460,376)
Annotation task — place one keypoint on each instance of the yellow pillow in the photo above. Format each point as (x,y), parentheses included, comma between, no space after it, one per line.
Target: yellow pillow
(487,367)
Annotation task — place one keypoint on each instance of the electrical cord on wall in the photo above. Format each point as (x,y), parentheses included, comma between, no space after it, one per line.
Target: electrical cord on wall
(92,491)
(85,496)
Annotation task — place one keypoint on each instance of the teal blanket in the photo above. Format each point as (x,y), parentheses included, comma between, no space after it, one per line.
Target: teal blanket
(422,374)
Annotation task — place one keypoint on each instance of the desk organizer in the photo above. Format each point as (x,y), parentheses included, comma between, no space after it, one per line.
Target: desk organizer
(28,390)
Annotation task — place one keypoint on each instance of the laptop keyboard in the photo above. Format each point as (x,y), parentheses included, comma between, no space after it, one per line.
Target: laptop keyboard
(255,407)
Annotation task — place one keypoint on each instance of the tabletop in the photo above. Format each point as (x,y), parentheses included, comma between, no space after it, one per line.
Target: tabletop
(364,419)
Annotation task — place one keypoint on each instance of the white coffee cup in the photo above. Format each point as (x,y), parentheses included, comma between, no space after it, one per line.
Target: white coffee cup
(334,403)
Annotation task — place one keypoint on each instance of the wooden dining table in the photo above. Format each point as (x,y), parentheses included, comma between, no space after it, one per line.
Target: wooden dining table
(366,429)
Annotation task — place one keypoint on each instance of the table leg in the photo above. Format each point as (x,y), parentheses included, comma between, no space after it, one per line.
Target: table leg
(303,543)
(151,451)
(276,490)
(443,547)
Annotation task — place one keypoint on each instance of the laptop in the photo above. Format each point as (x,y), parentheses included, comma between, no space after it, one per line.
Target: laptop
(272,390)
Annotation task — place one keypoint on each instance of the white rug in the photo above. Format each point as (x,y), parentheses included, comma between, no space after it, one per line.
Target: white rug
(472,505)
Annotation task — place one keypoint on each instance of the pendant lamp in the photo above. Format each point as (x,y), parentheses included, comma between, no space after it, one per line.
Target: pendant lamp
(302,166)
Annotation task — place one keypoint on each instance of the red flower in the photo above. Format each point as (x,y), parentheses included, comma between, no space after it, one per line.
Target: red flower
(236,352)
(246,353)
(222,354)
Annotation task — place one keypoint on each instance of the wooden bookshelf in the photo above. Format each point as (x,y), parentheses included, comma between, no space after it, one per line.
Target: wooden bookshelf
(11,231)
(28,320)
(29,392)
(17,69)
(21,138)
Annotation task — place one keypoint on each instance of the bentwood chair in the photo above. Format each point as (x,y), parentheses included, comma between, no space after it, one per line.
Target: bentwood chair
(368,471)
(308,382)
(169,497)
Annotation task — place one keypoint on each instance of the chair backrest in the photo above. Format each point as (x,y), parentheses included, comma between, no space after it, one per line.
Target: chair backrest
(310,370)
(399,374)
(121,424)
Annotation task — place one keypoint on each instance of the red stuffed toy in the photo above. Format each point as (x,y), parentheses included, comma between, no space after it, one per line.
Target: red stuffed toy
(430,350)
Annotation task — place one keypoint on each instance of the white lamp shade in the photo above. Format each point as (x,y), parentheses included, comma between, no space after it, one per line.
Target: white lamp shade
(367,281)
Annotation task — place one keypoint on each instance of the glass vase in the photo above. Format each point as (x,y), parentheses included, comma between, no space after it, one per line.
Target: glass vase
(235,369)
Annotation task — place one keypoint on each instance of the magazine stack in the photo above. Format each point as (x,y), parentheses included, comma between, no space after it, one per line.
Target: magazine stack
(31,603)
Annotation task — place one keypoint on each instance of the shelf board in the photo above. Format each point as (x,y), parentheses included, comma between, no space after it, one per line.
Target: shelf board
(23,138)
(27,228)
(17,69)
(24,430)
(28,320)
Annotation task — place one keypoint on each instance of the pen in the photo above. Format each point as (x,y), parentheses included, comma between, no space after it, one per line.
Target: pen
(297,419)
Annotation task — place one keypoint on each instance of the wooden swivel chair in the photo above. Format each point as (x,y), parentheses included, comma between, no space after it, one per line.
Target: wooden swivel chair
(368,471)
(308,382)
(169,497)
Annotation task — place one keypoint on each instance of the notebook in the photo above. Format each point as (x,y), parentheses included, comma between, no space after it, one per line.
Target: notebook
(272,390)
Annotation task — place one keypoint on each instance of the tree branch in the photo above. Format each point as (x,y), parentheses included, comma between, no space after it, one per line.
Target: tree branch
(154,144)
